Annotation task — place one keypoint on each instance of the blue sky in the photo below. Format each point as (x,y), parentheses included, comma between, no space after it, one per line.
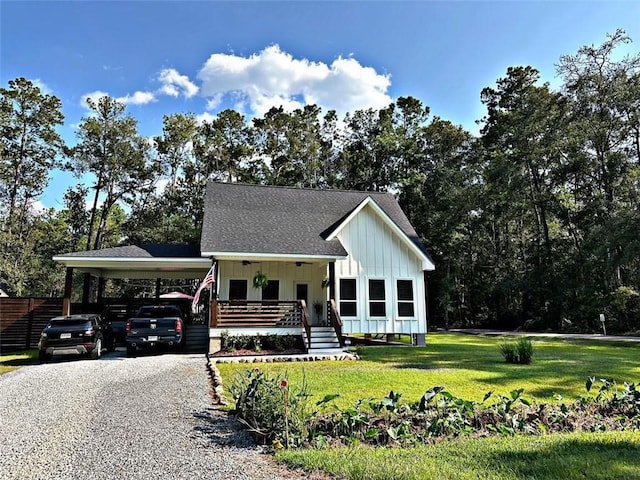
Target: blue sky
(167,57)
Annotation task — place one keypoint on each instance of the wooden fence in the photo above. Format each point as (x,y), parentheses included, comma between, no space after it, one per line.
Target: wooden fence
(22,319)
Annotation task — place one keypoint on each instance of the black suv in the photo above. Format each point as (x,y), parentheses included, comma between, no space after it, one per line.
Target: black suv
(75,334)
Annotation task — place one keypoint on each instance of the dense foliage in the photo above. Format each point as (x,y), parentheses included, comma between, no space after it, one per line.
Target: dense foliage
(533,223)
(281,414)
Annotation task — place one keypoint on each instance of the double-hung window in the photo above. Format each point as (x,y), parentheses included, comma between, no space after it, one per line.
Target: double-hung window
(377,300)
(348,297)
(406,307)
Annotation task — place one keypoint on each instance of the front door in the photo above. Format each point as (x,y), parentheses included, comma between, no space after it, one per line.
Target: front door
(302,293)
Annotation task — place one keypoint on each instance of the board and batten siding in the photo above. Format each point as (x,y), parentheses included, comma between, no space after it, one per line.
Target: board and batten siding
(376,252)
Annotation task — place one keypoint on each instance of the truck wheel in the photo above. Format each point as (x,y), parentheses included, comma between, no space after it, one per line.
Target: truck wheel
(131,351)
(97,351)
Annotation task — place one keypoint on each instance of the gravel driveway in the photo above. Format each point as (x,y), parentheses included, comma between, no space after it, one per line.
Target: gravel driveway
(148,417)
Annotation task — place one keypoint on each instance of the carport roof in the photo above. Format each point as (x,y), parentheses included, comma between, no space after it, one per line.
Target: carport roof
(150,260)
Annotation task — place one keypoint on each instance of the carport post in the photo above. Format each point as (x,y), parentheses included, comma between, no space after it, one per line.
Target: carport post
(158,282)
(68,284)
(100,292)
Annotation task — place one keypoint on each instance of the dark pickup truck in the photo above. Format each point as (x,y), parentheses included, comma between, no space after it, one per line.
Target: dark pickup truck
(155,326)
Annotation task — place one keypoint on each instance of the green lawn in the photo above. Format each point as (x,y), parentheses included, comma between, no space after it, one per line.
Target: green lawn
(468,366)
(13,360)
(605,456)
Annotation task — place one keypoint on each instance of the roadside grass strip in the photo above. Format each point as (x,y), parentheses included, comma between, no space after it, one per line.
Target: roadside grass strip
(13,360)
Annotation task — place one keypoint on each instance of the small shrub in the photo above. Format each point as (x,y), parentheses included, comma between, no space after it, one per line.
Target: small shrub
(227,342)
(269,407)
(520,352)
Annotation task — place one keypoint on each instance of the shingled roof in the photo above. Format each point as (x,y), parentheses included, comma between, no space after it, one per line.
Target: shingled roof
(145,250)
(258,219)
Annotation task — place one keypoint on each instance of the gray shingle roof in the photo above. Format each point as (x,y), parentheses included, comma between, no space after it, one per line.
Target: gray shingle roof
(145,250)
(283,220)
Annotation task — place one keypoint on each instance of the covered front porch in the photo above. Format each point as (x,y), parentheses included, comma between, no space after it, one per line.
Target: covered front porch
(294,298)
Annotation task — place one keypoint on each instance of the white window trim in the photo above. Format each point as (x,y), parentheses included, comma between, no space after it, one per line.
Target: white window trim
(356,301)
(396,309)
(386,298)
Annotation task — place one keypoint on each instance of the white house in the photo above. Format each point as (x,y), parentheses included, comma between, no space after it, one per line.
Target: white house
(337,262)
(359,245)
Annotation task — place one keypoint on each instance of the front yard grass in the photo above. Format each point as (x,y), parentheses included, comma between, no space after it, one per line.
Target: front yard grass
(13,360)
(467,366)
(605,456)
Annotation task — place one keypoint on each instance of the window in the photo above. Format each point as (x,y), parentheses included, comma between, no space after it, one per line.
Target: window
(348,307)
(271,291)
(237,289)
(377,304)
(405,298)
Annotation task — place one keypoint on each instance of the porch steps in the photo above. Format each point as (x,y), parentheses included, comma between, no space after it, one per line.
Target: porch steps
(324,341)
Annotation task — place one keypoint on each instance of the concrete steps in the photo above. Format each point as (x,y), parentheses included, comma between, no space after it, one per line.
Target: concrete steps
(324,341)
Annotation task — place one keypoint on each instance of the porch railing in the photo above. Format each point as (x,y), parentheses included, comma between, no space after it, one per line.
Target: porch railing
(334,319)
(256,313)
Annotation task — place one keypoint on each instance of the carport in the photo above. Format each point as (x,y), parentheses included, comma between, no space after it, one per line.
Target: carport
(144,261)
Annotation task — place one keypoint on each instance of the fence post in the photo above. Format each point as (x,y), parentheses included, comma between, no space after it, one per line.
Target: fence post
(27,342)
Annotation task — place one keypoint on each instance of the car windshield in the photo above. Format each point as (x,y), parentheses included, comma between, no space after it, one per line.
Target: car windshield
(74,323)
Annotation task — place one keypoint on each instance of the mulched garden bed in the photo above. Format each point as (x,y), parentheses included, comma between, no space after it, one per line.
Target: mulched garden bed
(243,352)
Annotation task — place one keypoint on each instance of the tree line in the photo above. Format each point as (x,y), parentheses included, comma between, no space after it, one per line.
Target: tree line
(534,223)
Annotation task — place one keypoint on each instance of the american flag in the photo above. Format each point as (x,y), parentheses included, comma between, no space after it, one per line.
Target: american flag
(209,279)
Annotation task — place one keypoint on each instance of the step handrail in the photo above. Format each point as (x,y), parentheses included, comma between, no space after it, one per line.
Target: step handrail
(305,321)
(335,320)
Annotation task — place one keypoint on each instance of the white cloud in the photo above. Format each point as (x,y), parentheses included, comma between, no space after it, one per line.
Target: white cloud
(214,101)
(174,84)
(273,78)
(138,98)
(204,117)
(37,207)
(93,96)
(44,88)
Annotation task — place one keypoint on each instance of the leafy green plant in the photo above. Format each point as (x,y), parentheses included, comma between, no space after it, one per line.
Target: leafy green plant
(520,351)
(269,408)
(227,341)
(260,280)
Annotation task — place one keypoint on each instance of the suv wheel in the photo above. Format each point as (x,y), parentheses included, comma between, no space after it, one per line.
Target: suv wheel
(97,351)
(43,357)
